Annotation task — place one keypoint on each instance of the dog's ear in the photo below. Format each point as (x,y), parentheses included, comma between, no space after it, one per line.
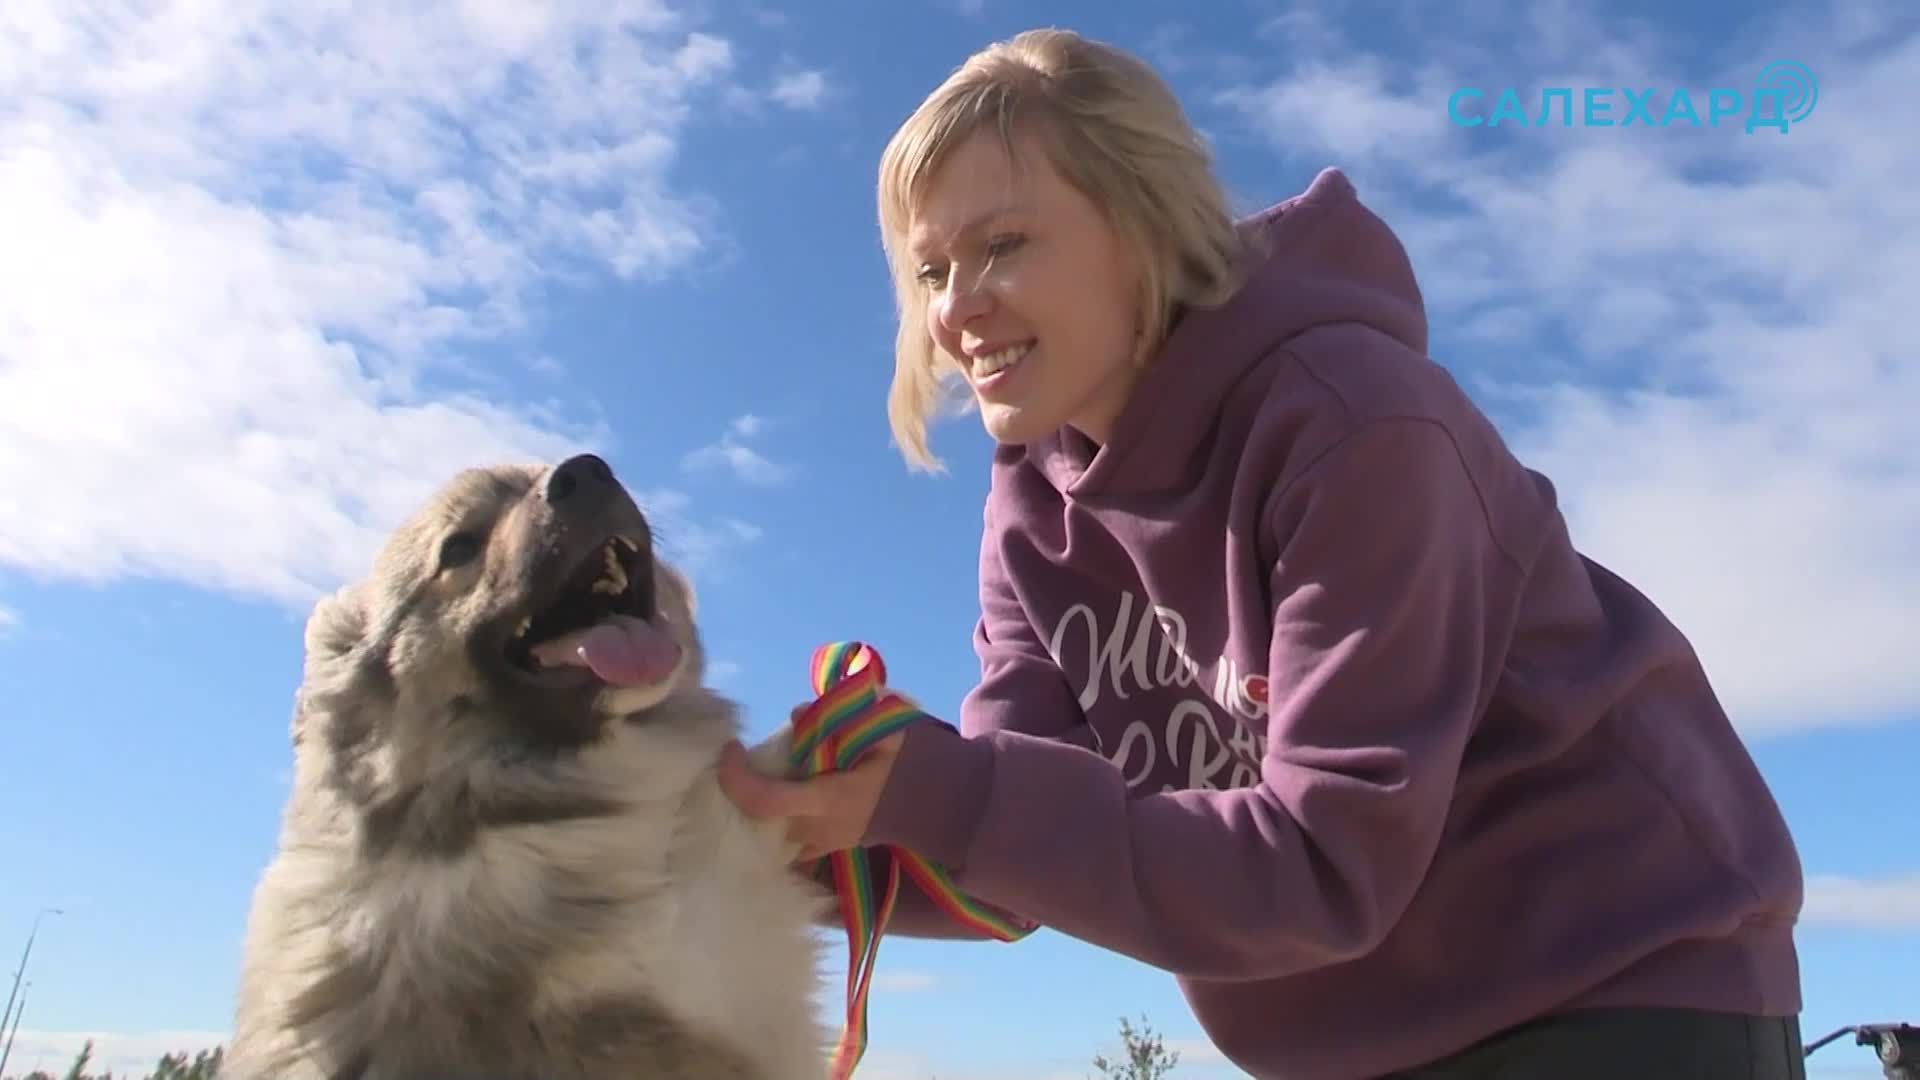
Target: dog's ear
(677,587)
(337,624)
(297,724)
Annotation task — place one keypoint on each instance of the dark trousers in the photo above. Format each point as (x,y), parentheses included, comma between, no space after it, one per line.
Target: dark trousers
(1631,1044)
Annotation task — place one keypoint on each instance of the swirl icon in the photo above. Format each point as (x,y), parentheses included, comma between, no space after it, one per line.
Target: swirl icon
(1798,88)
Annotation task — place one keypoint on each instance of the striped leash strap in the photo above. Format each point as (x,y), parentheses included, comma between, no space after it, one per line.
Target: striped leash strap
(851,711)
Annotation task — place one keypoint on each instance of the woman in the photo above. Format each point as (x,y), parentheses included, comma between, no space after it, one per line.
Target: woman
(1292,683)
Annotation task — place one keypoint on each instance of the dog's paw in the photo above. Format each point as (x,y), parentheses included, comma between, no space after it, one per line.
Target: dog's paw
(769,755)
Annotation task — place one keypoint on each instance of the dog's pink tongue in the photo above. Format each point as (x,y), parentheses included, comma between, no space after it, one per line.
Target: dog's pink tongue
(621,650)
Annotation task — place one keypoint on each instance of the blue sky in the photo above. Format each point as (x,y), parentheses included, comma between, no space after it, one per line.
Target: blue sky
(264,283)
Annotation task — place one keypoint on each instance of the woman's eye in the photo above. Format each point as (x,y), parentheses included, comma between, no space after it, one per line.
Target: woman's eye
(932,276)
(458,550)
(1000,245)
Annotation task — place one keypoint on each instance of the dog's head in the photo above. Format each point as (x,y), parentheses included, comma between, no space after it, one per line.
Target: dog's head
(522,607)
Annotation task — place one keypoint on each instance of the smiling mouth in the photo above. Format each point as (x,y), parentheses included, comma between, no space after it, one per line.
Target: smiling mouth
(993,363)
(611,585)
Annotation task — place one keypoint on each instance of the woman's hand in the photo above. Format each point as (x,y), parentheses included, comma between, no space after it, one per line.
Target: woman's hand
(824,813)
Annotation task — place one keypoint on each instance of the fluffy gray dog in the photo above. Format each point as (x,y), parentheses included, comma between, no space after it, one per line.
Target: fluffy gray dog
(505,856)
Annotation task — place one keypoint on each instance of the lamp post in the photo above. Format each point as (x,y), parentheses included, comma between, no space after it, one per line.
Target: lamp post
(1897,1044)
(6,1051)
(14,994)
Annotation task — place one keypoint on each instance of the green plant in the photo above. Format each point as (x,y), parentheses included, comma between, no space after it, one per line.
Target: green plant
(204,1065)
(1144,1055)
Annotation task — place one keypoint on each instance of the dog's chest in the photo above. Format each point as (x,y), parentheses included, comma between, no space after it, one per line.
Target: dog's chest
(731,939)
(456,932)
(557,920)
(726,943)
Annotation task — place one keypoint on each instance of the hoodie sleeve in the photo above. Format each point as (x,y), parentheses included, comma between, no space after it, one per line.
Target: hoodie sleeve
(1020,690)
(1387,591)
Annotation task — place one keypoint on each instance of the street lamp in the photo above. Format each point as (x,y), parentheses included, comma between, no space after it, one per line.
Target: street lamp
(1898,1046)
(14,994)
(19,1014)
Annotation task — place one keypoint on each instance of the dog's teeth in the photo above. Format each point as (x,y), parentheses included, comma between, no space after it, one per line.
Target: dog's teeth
(614,581)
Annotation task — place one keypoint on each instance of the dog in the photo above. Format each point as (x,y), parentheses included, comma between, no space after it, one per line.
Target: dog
(505,855)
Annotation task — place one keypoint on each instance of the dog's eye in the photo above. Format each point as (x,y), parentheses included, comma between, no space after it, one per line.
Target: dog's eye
(458,550)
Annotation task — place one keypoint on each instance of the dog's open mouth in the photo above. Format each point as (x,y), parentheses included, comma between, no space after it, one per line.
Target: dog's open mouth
(603,621)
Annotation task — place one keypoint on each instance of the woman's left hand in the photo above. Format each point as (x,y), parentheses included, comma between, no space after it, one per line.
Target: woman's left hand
(824,813)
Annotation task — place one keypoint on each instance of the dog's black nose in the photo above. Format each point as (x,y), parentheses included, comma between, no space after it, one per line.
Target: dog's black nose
(582,478)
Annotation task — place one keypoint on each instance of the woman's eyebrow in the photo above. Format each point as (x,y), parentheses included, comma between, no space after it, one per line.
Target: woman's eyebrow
(922,237)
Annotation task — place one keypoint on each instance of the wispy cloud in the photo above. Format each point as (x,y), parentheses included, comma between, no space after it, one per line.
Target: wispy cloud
(1046,1058)
(805,89)
(900,982)
(1885,903)
(732,453)
(245,250)
(1700,336)
(1196,1051)
(9,622)
(695,544)
(120,1053)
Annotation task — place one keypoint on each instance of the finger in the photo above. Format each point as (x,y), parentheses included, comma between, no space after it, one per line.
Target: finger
(814,852)
(750,789)
(757,794)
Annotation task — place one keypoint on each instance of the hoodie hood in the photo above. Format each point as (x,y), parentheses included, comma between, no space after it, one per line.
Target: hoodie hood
(1318,258)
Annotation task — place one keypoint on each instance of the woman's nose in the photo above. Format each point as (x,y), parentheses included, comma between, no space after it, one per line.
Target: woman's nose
(963,302)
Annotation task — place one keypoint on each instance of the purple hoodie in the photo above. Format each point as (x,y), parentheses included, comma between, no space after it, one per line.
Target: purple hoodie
(1298,689)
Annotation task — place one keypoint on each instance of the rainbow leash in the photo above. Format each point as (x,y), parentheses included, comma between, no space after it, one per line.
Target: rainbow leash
(853,710)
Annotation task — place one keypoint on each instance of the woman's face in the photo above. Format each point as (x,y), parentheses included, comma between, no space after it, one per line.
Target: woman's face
(1028,291)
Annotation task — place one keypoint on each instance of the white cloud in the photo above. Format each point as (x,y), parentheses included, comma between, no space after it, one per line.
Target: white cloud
(830,991)
(882,1063)
(731,452)
(889,1064)
(1198,1059)
(122,1054)
(137,1053)
(1886,903)
(252,255)
(806,89)
(1196,1051)
(1706,332)
(900,982)
(693,544)
(9,622)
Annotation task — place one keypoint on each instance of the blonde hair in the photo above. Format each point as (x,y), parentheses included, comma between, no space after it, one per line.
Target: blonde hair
(1114,131)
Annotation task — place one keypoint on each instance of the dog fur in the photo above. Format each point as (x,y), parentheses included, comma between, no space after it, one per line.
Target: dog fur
(479,875)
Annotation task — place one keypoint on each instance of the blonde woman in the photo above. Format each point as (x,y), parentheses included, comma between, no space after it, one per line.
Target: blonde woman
(1292,683)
